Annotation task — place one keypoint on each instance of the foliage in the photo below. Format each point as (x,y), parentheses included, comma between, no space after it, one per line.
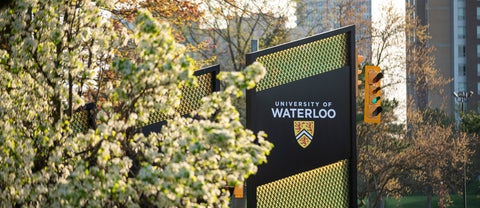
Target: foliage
(420,157)
(54,50)
(220,29)
(455,201)
(422,74)
(437,116)
(470,123)
(393,159)
(441,154)
(410,63)
(378,159)
(226,29)
(176,12)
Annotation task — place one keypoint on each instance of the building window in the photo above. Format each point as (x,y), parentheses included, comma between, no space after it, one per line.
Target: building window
(462,86)
(478,88)
(461,51)
(478,32)
(461,69)
(478,69)
(461,32)
(478,13)
(478,50)
(461,13)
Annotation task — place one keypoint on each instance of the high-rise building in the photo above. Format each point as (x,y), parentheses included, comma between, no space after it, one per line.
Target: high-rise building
(472,49)
(454,26)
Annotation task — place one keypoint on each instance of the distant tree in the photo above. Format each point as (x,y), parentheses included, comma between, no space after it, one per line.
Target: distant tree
(220,30)
(470,123)
(395,161)
(439,154)
(436,116)
(175,12)
(226,28)
(51,51)
(379,146)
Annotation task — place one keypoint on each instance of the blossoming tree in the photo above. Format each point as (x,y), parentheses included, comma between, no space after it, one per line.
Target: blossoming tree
(51,52)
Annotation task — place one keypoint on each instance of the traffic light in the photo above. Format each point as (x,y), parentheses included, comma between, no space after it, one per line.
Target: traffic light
(373,94)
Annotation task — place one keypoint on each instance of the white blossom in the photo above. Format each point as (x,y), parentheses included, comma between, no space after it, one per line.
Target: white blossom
(57,47)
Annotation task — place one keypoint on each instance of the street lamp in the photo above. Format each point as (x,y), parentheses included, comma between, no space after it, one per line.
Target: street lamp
(463,97)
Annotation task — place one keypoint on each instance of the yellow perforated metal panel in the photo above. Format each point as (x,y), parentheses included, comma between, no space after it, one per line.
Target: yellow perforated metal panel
(191,97)
(303,61)
(79,122)
(326,186)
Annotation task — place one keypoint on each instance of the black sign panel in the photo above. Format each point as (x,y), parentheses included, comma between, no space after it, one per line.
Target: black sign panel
(278,109)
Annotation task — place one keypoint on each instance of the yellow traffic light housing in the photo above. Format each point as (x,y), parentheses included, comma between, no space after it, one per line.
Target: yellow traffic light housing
(373,94)
(360,60)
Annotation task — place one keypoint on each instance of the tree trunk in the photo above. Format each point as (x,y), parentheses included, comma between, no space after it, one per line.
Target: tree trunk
(376,200)
(371,199)
(381,203)
(429,196)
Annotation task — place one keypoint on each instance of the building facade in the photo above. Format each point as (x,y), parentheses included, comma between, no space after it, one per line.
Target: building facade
(454,26)
(472,50)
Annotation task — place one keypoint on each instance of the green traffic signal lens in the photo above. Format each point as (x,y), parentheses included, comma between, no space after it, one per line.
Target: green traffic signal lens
(375,100)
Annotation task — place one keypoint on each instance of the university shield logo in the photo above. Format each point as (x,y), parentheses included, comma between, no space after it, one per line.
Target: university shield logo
(304,132)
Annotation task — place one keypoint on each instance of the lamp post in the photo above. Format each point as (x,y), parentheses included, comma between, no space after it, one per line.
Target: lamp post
(462,97)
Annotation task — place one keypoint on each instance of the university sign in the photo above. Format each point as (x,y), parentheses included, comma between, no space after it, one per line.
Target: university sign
(303,129)
(294,109)
(306,105)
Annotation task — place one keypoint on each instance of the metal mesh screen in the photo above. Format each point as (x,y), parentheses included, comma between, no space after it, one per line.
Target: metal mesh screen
(326,186)
(191,97)
(80,122)
(304,61)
